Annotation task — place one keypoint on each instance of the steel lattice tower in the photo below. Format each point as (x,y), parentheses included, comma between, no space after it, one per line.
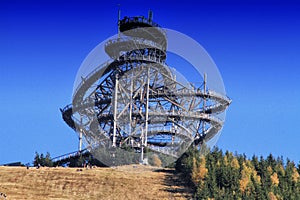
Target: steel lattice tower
(138,102)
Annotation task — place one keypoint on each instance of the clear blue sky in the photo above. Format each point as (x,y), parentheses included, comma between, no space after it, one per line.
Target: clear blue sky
(256,47)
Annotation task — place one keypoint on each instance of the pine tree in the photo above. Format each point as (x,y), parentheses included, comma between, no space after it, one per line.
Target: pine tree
(271,161)
(203,192)
(48,162)
(42,160)
(36,160)
(257,190)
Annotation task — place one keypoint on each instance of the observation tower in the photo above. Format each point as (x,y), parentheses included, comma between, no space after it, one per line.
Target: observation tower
(135,104)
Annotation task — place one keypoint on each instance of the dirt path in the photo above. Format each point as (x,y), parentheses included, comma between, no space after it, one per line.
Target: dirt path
(126,182)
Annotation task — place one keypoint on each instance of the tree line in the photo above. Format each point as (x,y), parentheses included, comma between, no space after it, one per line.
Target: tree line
(82,159)
(219,175)
(42,160)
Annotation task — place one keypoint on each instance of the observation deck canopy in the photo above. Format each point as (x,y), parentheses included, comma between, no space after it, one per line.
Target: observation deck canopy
(141,26)
(128,23)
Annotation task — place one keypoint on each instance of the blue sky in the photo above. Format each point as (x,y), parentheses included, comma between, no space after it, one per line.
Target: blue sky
(255,46)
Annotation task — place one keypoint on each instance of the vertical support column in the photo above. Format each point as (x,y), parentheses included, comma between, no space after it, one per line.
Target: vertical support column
(130,106)
(115,111)
(204,101)
(80,136)
(147,106)
(80,141)
(142,147)
(145,129)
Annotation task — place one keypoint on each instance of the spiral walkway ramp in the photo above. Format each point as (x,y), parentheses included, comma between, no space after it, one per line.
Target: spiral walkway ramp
(135,101)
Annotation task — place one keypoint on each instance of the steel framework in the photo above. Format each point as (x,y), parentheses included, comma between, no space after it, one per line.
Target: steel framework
(136,102)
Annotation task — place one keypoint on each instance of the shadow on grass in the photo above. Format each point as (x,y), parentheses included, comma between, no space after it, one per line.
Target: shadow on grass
(177,184)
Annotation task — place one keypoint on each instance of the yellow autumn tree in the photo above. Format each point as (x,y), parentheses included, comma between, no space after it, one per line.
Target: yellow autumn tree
(295,175)
(269,170)
(271,196)
(199,170)
(274,179)
(256,177)
(235,163)
(244,183)
(156,161)
(246,173)
(246,176)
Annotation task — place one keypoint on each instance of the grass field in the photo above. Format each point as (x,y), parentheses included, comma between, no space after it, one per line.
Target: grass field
(126,182)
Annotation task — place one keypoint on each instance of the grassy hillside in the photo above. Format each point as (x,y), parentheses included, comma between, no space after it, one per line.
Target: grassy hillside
(126,182)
